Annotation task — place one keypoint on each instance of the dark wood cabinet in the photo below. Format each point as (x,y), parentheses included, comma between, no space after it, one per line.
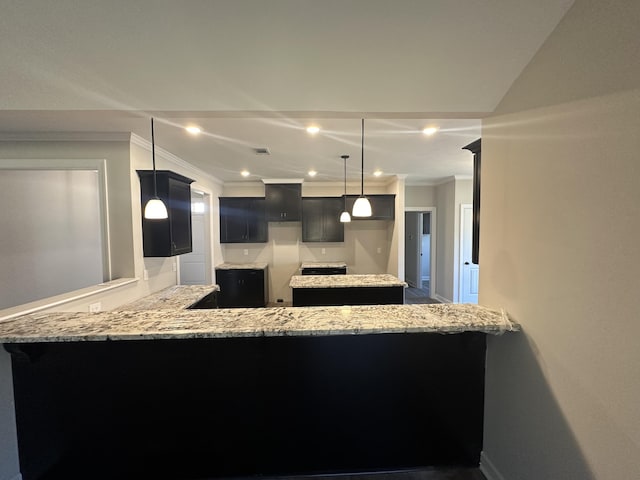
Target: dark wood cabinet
(170,236)
(476,149)
(243,220)
(383,206)
(324,271)
(283,202)
(321,219)
(242,287)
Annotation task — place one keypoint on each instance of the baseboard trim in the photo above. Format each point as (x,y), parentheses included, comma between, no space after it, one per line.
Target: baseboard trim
(441,299)
(488,468)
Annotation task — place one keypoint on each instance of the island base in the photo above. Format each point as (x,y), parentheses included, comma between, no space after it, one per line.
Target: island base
(207,408)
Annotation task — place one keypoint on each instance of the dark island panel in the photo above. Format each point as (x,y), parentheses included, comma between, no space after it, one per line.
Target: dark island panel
(308,297)
(207,408)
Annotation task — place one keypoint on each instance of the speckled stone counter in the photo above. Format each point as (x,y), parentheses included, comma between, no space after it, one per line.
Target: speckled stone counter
(248,266)
(323,265)
(142,324)
(172,298)
(345,281)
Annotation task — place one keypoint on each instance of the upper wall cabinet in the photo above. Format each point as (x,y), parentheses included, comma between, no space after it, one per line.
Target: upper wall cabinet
(243,220)
(321,219)
(283,202)
(383,207)
(170,236)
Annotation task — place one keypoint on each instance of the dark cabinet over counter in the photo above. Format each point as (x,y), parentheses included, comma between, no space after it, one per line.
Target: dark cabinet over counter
(242,286)
(243,220)
(383,206)
(170,236)
(321,219)
(283,202)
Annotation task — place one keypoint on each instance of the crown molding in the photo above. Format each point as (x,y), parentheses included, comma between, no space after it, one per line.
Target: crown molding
(65,136)
(268,181)
(166,155)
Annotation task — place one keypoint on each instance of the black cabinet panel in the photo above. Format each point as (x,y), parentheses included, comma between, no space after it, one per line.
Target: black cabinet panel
(283,202)
(321,219)
(242,287)
(242,220)
(170,236)
(324,271)
(383,206)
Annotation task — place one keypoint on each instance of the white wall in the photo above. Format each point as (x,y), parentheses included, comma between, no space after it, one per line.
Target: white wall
(559,234)
(419,196)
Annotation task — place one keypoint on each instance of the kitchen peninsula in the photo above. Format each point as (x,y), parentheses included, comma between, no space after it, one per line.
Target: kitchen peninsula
(156,388)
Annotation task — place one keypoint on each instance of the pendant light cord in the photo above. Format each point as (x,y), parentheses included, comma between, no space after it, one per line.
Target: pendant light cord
(345,157)
(362,163)
(153,157)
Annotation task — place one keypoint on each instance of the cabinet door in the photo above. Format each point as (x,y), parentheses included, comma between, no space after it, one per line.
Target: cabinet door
(242,220)
(230,288)
(233,220)
(312,219)
(256,220)
(321,219)
(283,202)
(180,216)
(333,228)
(241,288)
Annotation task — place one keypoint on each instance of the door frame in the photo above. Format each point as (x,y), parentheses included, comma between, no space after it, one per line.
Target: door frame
(208,263)
(433,255)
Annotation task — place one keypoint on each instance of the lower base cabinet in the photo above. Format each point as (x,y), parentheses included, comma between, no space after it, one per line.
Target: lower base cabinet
(242,287)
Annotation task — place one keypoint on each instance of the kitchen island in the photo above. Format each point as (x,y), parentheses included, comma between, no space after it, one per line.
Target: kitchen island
(177,393)
(373,289)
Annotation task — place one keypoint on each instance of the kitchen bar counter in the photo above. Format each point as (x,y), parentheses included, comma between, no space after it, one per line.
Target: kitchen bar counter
(323,265)
(345,281)
(157,390)
(140,324)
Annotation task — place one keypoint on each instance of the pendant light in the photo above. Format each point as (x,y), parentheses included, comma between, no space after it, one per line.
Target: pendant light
(344,216)
(155,208)
(362,207)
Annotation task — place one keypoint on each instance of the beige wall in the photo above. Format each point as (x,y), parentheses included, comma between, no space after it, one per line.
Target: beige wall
(558,251)
(420,196)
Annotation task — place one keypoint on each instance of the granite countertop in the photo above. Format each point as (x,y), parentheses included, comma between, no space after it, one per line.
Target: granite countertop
(323,265)
(163,321)
(177,297)
(248,266)
(345,281)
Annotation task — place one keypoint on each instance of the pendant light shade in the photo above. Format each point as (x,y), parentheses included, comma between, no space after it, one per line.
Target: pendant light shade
(362,207)
(344,216)
(155,209)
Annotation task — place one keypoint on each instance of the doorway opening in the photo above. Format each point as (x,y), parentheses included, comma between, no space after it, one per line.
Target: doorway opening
(420,223)
(195,267)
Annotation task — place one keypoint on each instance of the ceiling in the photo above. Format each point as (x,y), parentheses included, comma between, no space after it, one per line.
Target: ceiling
(255,73)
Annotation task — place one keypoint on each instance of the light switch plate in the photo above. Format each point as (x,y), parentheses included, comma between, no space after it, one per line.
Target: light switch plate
(95,307)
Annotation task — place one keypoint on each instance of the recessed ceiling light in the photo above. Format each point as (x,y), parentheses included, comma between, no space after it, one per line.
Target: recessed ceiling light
(313,129)
(193,130)
(245,173)
(430,131)
(312,173)
(377,173)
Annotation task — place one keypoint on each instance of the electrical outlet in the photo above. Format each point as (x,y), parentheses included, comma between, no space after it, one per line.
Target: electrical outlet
(324,251)
(145,274)
(95,307)
(246,251)
(379,250)
(174,266)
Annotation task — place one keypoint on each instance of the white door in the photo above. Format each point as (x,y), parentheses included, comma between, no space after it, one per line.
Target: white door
(193,265)
(469,271)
